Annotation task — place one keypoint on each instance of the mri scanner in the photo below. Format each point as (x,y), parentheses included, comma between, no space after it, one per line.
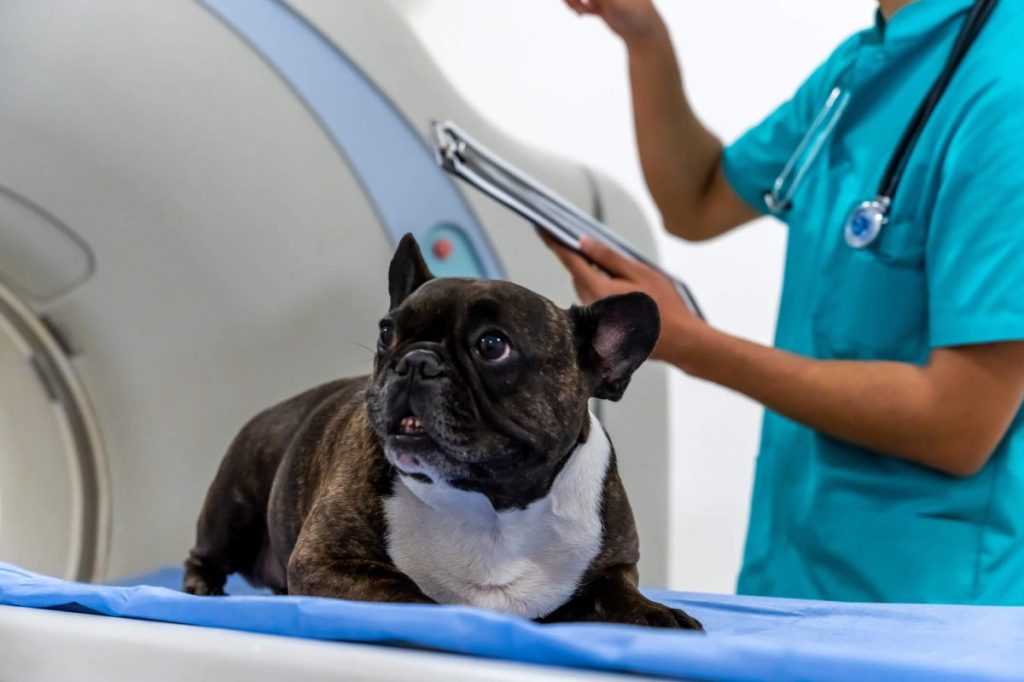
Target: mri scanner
(198,202)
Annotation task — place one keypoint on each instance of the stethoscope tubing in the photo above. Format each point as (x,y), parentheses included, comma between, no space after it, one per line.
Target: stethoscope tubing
(973,24)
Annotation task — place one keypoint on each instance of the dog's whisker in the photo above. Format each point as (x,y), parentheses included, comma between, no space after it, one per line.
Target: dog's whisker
(364,347)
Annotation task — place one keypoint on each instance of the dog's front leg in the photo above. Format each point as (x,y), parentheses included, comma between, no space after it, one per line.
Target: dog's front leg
(337,555)
(612,597)
(355,579)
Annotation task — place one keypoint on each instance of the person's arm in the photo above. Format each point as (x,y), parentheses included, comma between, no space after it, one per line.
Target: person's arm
(949,414)
(681,159)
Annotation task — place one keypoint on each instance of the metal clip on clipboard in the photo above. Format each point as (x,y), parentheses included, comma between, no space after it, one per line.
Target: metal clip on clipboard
(465,158)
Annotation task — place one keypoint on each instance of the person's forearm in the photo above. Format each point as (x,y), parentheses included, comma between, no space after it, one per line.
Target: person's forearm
(888,407)
(679,156)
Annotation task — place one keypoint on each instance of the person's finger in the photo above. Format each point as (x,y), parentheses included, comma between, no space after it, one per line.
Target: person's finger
(608,258)
(588,287)
(584,292)
(546,237)
(573,262)
(578,6)
(581,269)
(550,240)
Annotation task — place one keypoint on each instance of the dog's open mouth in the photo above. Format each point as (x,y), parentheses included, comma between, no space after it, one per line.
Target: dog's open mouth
(410,448)
(411,426)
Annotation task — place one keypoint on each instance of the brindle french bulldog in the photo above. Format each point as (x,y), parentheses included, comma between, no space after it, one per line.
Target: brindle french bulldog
(465,469)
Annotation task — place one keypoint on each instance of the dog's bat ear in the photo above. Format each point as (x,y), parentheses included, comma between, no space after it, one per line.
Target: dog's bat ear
(615,335)
(408,270)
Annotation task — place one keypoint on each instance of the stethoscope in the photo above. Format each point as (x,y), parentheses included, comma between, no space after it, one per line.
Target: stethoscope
(866,221)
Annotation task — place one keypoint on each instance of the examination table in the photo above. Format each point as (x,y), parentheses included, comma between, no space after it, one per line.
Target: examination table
(66,634)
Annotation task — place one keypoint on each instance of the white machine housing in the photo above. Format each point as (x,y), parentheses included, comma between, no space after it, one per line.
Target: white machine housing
(184,241)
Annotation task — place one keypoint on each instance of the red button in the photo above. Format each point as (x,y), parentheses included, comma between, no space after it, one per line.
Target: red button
(442,248)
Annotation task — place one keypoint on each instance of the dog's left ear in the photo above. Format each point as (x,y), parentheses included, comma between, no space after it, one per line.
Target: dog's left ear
(408,271)
(614,336)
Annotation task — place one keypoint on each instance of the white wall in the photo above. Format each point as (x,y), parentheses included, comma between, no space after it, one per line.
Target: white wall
(559,82)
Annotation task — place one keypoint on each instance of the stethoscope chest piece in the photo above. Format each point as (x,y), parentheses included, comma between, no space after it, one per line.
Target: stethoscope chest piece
(866,222)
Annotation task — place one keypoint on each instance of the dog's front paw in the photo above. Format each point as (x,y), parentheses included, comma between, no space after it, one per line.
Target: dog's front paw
(196,585)
(660,616)
(652,614)
(201,580)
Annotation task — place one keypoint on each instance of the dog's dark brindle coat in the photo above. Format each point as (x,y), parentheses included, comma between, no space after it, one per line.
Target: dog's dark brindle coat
(298,502)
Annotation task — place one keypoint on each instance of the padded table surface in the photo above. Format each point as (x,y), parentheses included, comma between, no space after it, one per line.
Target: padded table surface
(749,638)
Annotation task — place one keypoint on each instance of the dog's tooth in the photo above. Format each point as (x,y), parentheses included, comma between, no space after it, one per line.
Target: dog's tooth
(410,424)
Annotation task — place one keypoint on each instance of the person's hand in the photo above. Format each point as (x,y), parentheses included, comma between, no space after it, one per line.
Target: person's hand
(600,271)
(630,19)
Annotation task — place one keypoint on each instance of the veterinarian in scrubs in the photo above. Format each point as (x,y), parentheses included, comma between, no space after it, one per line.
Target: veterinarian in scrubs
(891,464)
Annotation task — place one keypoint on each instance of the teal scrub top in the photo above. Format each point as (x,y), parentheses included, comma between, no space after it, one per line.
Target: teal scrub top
(829,519)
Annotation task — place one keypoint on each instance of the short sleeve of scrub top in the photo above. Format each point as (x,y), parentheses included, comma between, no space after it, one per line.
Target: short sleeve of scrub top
(830,519)
(975,247)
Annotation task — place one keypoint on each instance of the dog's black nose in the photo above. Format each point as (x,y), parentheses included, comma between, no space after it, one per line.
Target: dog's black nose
(420,361)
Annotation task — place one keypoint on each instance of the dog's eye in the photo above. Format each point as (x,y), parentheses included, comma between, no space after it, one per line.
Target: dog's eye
(493,347)
(387,334)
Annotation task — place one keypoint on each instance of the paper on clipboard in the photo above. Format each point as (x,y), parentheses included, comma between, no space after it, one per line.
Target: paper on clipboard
(465,158)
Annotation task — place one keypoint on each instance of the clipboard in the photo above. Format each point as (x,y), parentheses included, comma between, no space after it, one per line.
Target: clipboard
(465,158)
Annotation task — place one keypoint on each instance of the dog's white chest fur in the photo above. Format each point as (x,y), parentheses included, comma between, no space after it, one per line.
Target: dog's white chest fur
(527,562)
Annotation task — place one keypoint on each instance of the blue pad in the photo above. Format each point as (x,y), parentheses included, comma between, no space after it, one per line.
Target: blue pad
(749,638)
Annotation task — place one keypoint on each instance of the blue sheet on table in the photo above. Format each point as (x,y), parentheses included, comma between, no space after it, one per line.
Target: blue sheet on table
(749,638)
